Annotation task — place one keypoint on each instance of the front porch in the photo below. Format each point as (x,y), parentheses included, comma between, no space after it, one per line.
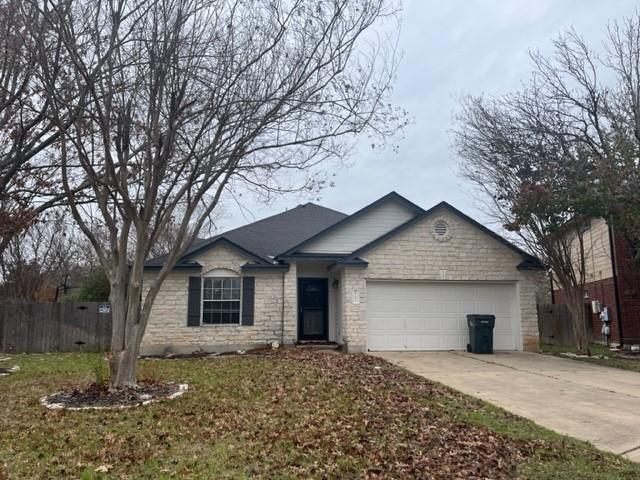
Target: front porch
(318,303)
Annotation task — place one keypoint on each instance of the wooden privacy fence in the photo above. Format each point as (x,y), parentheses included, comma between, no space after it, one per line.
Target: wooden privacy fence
(554,324)
(51,327)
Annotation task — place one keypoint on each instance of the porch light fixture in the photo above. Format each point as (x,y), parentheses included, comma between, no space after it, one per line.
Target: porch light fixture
(335,283)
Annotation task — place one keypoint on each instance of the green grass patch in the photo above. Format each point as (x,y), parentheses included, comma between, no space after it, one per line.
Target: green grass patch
(600,355)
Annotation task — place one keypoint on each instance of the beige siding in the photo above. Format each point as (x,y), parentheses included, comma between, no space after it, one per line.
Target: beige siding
(356,233)
(414,254)
(597,251)
(167,330)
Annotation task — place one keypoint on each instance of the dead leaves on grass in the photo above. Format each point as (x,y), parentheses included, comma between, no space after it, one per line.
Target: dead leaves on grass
(291,414)
(382,418)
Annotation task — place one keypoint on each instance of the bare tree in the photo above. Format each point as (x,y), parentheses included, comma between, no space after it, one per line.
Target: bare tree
(535,182)
(561,151)
(39,258)
(180,100)
(29,180)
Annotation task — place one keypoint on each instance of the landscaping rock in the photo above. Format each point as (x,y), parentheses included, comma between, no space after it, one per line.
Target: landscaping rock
(97,397)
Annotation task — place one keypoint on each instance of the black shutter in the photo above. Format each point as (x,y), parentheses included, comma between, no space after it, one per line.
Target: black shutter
(193,303)
(248,294)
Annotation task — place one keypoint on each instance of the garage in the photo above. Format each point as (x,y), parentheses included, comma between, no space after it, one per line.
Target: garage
(432,316)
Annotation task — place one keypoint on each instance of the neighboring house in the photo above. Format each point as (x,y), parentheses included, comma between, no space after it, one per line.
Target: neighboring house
(391,276)
(613,280)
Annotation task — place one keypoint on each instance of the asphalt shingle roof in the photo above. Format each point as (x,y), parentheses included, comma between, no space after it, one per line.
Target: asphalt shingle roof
(273,235)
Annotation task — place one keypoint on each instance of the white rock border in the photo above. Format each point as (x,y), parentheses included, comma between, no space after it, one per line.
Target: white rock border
(11,370)
(44,401)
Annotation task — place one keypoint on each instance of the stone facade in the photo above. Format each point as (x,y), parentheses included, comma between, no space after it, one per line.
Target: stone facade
(468,254)
(465,254)
(167,330)
(353,293)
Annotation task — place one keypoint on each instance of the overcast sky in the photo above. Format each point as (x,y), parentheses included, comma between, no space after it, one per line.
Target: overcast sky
(450,47)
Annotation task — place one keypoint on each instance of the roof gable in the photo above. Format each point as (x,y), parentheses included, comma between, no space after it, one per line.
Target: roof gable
(528,261)
(264,239)
(365,225)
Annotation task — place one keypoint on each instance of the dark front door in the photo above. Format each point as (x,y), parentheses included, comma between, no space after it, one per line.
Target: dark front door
(312,303)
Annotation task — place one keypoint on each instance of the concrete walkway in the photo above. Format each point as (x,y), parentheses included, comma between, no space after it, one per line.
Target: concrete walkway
(597,404)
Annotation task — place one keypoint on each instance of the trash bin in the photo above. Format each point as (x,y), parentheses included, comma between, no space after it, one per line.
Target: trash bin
(480,333)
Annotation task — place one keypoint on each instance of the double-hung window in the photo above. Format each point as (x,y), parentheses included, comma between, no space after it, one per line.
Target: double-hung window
(221,301)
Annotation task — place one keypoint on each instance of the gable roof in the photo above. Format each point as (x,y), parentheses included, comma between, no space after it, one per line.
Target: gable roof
(529,262)
(281,236)
(264,239)
(392,196)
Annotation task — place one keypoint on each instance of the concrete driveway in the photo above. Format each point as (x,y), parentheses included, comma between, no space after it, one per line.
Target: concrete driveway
(597,404)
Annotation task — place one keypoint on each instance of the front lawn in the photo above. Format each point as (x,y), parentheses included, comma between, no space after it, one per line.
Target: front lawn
(293,414)
(600,355)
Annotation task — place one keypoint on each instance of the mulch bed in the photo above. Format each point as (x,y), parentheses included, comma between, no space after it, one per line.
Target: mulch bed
(99,396)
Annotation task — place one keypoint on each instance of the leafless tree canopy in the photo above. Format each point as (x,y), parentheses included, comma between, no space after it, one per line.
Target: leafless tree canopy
(43,257)
(174,101)
(562,150)
(27,170)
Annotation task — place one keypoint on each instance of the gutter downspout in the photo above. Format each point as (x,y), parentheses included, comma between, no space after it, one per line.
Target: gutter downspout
(616,291)
(553,294)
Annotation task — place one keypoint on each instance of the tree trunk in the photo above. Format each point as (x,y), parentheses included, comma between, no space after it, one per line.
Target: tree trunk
(575,302)
(124,368)
(125,344)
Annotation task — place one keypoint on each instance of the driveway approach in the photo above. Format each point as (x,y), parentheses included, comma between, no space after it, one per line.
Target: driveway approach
(589,402)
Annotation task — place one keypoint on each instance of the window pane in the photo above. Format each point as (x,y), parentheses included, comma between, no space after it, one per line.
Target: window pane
(221,300)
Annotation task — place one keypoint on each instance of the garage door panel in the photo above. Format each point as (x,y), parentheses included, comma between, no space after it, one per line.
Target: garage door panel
(432,316)
(386,341)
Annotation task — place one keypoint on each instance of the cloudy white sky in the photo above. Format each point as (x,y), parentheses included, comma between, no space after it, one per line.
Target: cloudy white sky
(450,48)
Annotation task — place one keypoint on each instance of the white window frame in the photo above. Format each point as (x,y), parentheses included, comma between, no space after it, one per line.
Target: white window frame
(220,274)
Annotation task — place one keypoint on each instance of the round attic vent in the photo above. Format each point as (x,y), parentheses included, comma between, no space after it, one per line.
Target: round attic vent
(441,230)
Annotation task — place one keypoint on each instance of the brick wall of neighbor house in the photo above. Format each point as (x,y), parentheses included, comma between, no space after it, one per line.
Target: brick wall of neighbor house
(629,289)
(415,254)
(603,290)
(167,330)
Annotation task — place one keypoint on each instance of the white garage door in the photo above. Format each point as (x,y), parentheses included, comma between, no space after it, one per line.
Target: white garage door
(432,316)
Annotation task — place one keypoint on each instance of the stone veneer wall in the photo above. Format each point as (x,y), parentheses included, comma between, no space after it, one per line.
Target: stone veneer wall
(167,330)
(414,254)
